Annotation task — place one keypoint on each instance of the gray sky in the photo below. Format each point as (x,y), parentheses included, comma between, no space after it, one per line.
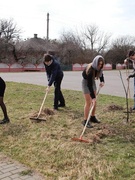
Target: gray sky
(111,16)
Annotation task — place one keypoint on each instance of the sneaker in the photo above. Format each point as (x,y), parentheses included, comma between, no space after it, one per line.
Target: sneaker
(133,108)
(88,125)
(94,119)
(4,121)
(61,105)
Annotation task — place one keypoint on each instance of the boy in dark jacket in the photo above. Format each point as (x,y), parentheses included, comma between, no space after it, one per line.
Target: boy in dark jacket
(54,75)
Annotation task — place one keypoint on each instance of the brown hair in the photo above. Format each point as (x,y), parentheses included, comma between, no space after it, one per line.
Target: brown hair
(130,53)
(88,69)
(101,60)
(47,57)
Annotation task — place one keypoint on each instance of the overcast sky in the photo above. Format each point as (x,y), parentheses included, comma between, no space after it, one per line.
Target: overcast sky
(111,16)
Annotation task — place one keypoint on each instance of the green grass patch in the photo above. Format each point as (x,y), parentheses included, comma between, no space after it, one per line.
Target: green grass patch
(48,147)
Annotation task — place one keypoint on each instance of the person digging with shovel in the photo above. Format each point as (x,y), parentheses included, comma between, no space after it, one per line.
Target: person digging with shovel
(92,72)
(54,75)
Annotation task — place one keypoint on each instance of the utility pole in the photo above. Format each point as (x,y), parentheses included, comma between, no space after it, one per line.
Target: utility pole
(47,27)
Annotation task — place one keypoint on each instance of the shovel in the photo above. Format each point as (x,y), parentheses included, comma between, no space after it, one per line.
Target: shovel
(38,118)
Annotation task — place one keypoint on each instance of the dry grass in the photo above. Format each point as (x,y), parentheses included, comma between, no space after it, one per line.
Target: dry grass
(48,147)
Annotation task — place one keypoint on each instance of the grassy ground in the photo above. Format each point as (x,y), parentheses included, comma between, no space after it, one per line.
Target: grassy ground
(48,147)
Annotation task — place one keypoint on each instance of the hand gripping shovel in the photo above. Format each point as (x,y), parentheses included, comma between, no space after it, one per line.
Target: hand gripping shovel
(37,118)
(80,139)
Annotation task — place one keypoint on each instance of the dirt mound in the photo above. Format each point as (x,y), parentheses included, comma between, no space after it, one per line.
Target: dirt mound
(100,134)
(48,111)
(43,116)
(114,107)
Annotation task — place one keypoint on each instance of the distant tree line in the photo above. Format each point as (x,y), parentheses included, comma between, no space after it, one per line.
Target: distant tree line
(70,48)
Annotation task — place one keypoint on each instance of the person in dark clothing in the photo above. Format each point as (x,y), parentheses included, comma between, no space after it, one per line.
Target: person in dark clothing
(2,104)
(92,72)
(54,75)
(131,60)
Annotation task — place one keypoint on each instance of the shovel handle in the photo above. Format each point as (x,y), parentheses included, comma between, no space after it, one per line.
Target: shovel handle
(42,104)
(90,112)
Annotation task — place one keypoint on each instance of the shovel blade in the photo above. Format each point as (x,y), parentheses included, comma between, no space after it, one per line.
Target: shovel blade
(80,140)
(37,119)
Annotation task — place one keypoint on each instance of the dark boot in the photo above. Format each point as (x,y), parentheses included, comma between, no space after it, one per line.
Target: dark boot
(4,121)
(133,108)
(61,105)
(94,119)
(88,124)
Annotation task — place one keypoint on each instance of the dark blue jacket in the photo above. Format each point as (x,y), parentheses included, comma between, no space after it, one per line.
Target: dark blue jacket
(53,72)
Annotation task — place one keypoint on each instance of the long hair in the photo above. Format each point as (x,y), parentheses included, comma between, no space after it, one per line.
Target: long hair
(89,69)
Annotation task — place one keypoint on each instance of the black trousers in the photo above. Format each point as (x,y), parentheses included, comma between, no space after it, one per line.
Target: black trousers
(2,87)
(58,96)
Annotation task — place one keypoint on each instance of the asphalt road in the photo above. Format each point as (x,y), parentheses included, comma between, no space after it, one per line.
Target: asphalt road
(72,81)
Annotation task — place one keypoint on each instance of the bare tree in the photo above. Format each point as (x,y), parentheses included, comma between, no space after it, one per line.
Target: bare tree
(124,41)
(118,51)
(95,39)
(9,34)
(9,30)
(70,48)
(2,49)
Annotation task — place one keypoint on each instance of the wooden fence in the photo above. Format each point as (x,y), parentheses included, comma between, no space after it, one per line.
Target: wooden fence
(16,67)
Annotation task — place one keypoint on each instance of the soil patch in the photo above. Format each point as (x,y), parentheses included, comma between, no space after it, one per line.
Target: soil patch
(114,107)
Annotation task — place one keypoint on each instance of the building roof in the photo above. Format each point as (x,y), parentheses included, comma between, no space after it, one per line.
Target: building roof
(35,43)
